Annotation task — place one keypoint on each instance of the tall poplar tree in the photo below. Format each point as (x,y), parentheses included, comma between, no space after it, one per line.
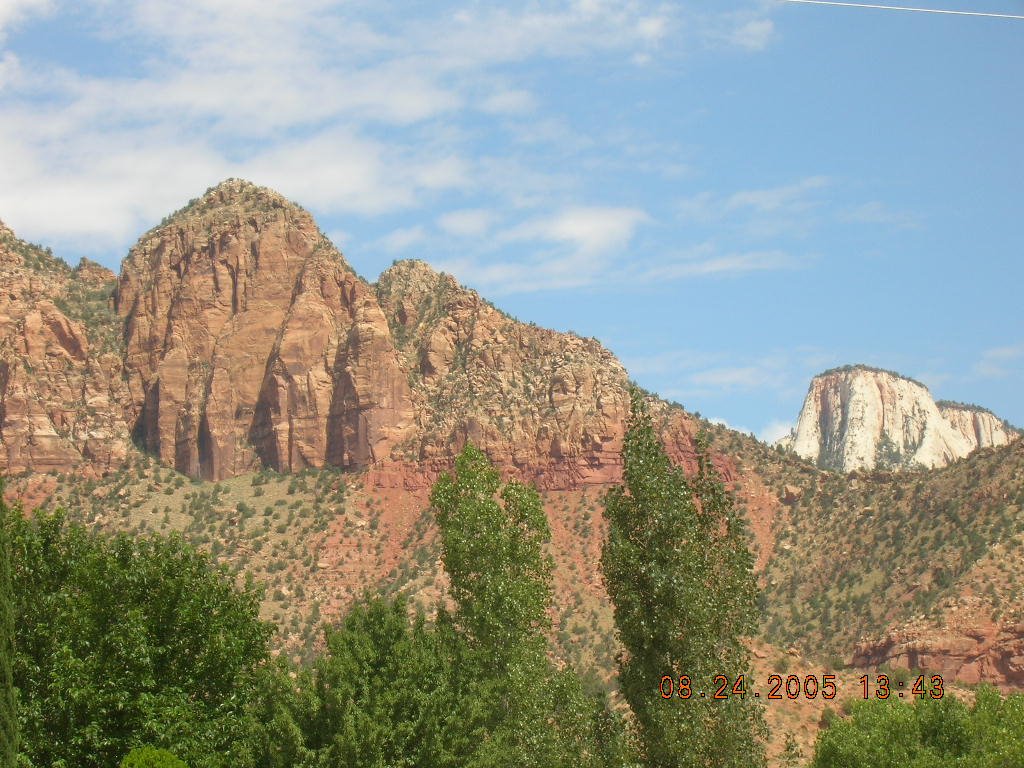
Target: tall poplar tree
(8,703)
(523,712)
(680,577)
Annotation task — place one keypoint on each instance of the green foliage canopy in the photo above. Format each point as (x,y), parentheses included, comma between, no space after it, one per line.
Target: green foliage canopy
(8,700)
(121,642)
(473,689)
(150,757)
(931,733)
(500,575)
(680,577)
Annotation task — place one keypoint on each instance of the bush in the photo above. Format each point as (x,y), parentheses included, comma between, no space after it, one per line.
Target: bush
(148,757)
(931,733)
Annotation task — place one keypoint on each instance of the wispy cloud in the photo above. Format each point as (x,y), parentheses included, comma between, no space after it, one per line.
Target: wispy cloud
(571,248)
(793,198)
(468,222)
(727,425)
(788,210)
(581,246)
(699,374)
(14,11)
(348,108)
(1000,362)
(768,372)
(875,212)
(587,230)
(402,239)
(705,260)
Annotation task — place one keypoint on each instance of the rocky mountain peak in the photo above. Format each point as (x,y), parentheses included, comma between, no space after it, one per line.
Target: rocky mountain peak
(237,193)
(88,272)
(240,338)
(60,390)
(250,340)
(860,417)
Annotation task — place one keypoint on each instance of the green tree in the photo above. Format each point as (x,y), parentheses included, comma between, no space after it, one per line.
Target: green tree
(8,700)
(493,554)
(122,642)
(473,688)
(150,757)
(930,733)
(493,550)
(680,577)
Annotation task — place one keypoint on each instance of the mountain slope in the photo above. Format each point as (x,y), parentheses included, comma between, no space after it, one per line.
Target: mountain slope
(250,341)
(244,348)
(878,560)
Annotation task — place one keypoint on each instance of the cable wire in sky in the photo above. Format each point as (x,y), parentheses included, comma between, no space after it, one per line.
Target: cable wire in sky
(904,8)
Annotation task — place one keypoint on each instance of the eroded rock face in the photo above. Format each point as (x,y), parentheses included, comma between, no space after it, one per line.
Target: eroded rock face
(863,418)
(546,406)
(250,339)
(59,391)
(982,428)
(982,650)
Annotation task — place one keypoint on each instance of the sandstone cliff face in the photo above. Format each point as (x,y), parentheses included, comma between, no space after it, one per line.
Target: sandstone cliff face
(249,340)
(981,427)
(968,647)
(863,418)
(59,388)
(548,407)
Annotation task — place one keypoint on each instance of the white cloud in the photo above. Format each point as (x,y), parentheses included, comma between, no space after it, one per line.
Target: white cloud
(754,35)
(509,101)
(346,107)
(469,222)
(569,249)
(14,11)
(704,260)
(727,425)
(402,239)
(748,29)
(875,212)
(670,361)
(588,229)
(702,373)
(787,209)
(748,377)
(791,197)
(774,431)
(785,203)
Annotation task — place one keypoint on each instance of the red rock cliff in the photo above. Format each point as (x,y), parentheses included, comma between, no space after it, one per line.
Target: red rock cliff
(250,339)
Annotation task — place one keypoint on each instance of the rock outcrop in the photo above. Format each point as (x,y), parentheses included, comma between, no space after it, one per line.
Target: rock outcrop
(249,340)
(859,417)
(60,386)
(550,405)
(980,426)
(977,651)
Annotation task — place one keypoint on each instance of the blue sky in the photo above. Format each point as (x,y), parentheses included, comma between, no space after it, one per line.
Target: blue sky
(732,196)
